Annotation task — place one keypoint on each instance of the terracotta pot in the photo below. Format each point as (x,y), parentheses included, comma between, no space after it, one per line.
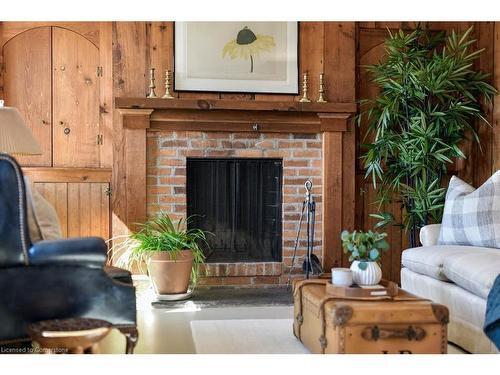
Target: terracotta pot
(169,275)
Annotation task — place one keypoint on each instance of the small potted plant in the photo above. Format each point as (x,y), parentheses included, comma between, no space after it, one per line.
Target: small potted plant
(365,249)
(171,252)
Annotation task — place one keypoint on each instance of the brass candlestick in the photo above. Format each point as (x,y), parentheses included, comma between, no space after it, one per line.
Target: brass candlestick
(321,97)
(167,95)
(152,93)
(304,98)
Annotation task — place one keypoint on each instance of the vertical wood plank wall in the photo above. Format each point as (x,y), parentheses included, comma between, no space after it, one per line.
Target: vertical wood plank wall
(49,71)
(479,165)
(128,49)
(328,47)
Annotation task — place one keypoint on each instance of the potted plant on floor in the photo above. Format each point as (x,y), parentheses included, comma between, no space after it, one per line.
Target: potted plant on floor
(430,98)
(365,249)
(171,252)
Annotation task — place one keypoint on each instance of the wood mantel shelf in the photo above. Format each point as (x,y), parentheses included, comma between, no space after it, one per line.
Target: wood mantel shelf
(234,115)
(233,104)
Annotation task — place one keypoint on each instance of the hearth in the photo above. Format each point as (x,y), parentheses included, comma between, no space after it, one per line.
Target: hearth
(239,200)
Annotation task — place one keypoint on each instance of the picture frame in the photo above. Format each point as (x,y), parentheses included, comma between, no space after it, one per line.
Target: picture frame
(239,57)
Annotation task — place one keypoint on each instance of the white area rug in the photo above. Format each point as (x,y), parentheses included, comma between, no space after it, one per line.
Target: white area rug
(245,336)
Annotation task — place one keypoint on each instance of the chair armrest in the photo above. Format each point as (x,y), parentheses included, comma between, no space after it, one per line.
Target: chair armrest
(88,251)
(429,234)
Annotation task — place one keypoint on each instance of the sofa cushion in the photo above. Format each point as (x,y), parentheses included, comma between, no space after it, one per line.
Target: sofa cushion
(429,260)
(474,271)
(472,216)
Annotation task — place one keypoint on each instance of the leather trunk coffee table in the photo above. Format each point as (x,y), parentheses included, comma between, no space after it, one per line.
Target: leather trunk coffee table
(74,335)
(402,324)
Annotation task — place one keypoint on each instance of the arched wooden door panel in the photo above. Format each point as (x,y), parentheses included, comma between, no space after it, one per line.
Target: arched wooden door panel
(27,86)
(49,73)
(75,100)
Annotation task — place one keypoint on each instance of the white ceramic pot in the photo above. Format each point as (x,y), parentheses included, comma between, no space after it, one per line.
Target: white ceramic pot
(369,276)
(341,276)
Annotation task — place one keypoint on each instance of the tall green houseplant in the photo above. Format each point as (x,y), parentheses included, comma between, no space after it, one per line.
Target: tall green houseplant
(430,99)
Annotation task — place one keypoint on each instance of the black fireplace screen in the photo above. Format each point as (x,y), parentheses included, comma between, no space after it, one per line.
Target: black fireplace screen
(239,201)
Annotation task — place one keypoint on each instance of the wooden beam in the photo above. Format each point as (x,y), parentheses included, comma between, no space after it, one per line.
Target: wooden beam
(37,174)
(496,100)
(106,97)
(131,170)
(311,56)
(340,65)
(239,116)
(483,159)
(135,172)
(231,104)
(233,126)
(129,79)
(135,118)
(244,121)
(332,199)
(334,122)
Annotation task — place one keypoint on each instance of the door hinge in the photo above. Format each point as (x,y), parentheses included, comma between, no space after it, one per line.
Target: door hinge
(100,139)
(108,191)
(99,71)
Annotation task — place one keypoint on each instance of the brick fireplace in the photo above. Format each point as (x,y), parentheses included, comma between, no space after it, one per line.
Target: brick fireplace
(154,138)
(301,155)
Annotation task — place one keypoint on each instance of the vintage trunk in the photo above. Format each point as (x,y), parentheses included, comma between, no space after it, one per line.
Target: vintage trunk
(404,325)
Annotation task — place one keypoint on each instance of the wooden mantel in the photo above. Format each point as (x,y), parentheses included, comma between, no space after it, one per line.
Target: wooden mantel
(139,115)
(233,104)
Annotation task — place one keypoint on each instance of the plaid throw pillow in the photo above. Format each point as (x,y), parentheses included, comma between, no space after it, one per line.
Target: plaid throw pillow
(472,216)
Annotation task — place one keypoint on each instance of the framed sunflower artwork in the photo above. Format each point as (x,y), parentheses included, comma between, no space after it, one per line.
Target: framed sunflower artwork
(251,57)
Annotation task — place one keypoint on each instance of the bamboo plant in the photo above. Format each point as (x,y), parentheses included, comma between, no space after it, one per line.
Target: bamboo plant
(429,102)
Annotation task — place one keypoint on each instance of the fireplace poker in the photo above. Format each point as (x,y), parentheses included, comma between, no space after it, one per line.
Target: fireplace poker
(311,263)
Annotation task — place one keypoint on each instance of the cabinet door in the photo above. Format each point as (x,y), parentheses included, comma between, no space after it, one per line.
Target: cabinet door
(75,100)
(88,210)
(82,208)
(27,86)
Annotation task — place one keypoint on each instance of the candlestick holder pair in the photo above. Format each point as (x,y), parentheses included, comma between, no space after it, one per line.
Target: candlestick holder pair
(321,90)
(152,85)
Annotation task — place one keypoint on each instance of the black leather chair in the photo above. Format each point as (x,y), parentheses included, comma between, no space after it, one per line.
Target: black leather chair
(54,279)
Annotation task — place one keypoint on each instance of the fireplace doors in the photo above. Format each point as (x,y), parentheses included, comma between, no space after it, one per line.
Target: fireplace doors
(240,202)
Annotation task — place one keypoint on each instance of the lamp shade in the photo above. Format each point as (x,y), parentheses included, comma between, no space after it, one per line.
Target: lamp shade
(15,136)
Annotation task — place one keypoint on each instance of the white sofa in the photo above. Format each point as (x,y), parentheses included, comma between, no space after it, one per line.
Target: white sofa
(459,277)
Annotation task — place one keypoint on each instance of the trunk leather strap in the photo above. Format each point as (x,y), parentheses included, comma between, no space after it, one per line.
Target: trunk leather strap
(299,319)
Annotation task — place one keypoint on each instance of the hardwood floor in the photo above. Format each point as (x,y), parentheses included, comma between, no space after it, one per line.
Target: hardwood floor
(164,331)
(168,332)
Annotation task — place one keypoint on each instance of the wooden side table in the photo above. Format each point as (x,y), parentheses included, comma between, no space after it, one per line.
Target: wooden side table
(74,335)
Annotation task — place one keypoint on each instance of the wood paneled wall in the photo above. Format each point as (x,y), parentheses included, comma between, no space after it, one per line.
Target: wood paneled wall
(328,47)
(479,165)
(128,49)
(337,49)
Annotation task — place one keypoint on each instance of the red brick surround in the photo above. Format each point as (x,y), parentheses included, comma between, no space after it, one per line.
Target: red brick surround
(302,159)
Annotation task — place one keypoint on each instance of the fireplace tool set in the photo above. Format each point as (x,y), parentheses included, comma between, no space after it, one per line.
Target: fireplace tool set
(311,263)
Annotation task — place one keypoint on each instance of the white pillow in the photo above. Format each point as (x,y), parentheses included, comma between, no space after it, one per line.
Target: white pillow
(43,223)
(472,216)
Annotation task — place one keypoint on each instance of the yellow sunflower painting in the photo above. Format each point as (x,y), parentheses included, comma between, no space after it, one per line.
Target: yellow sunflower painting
(248,45)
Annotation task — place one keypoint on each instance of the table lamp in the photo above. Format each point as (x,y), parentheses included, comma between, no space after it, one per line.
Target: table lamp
(15,136)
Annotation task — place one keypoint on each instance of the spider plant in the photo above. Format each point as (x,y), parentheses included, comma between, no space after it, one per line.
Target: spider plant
(159,234)
(429,101)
